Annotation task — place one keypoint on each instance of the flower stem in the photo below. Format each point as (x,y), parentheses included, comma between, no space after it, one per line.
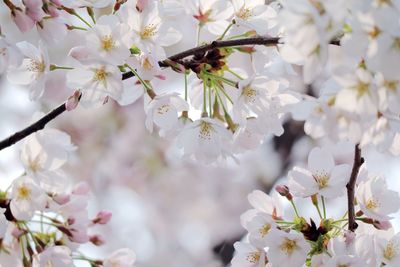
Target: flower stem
(226,30)
(323,206)
(294,208)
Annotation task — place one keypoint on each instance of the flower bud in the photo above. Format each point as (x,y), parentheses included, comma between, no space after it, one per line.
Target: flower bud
(382,225)
(96,240)
(283,190)
(103,217)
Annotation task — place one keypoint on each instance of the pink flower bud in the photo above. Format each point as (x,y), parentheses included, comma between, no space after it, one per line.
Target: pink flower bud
(283,190)
(23,22)
(96,240)
(61,199)
(73,100)
(382,225)
(103,217)
(141,4)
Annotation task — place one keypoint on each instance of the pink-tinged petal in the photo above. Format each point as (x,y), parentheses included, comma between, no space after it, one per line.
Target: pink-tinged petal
(320,160)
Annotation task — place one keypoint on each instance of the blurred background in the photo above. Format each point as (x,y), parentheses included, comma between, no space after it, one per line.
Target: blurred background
(170,211)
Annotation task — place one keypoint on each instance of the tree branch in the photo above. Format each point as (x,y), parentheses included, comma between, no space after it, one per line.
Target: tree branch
(40,124)
(358,161)
(36,126)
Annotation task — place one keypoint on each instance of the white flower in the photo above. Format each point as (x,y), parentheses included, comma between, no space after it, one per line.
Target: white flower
(121,258)
(43,154)
(206,140)
(264,203)
(388,251)
(248,256)
(254,15)
(26,198)
(249,136)
(150,31)
(358,94)
(211,14)
(59,256)
(306,37)
(33,70)
(163,111)
(259,227)
(108,39)
(322,176)
(97,81)
(287,249)
(376,200)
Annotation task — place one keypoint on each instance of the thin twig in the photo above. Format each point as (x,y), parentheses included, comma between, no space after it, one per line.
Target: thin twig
(358,161)
(36,126)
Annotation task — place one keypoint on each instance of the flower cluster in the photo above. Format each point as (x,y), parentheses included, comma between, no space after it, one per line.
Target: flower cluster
(275,240)
(44,219)
(238,105)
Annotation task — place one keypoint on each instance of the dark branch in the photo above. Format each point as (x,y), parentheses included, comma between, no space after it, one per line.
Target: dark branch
(358,161)
(219,44)
(36,126)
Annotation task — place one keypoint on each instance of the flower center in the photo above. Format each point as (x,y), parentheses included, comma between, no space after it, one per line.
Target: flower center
(372,204)
(23,192)
(34,164)
(36,66)
(107,43)
(205,130)
(362,88)
(391,85)
(264,229)
(163,109)
(322,179)
(100,75)
(249,93)
(390,251)
(147,64)
(253,257)
(148,31)
(244,13)
(288,246)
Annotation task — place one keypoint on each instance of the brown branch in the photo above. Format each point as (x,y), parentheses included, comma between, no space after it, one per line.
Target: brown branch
(36,126)
(358,161)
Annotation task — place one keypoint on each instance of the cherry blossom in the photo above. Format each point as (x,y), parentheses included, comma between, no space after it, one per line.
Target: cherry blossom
(322,176)
(33,70)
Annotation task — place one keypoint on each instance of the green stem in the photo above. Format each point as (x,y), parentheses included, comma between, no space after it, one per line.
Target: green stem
(72,27)
(186,87)
(235,74)
(223,91)
(55,67)
(323,206)
(140,79)
(319,211)
(226,31)
(294,208)
(82,19)
(223,79)
(209,101)
(204,97)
